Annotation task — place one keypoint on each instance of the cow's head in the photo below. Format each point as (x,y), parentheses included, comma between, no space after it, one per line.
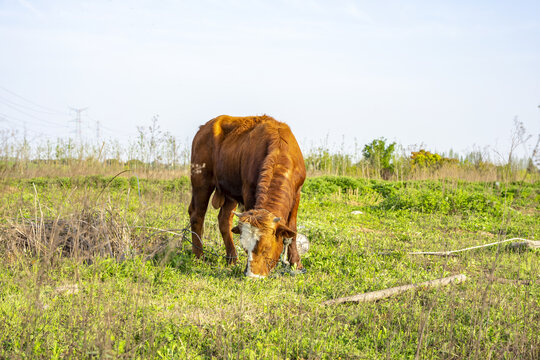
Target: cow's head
(261,236)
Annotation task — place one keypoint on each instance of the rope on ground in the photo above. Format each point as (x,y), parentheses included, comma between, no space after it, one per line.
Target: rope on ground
(531,244)
(184,234)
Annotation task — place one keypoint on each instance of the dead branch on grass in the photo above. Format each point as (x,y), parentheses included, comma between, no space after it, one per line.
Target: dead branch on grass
(381,294)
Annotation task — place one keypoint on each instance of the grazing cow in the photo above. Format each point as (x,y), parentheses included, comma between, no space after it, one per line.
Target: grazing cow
(256,162)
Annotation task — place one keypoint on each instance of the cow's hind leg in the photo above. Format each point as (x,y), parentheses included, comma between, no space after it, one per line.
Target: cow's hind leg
(197,211)
(293,256)
(225,218)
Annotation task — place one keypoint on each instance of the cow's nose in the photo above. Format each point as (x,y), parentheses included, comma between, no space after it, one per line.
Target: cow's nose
(249,274)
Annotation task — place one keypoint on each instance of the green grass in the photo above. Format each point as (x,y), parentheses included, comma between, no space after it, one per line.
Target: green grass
(121,303)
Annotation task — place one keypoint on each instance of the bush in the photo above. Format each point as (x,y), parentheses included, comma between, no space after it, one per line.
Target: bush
(319,186)
(325,185)
(180,184)
(431,200)
(427,160)
(386,189)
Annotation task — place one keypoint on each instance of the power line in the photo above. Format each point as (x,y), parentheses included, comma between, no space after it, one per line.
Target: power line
(31,102)
(41,121)
(19,125)
(17,121)
(9,102)
(17,128)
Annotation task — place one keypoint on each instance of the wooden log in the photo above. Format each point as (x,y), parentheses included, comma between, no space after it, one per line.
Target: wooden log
(381,294)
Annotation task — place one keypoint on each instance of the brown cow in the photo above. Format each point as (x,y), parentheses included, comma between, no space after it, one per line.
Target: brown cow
(256,162)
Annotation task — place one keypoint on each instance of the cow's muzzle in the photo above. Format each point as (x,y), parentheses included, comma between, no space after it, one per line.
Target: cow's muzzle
(249,274)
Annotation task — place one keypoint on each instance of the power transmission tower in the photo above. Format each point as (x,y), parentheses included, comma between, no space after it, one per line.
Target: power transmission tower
(97,129)
(78,121)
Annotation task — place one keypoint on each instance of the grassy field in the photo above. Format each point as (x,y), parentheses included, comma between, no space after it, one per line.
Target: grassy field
(84,273)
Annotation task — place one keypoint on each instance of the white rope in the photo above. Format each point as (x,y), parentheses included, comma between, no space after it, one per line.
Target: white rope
(530,243)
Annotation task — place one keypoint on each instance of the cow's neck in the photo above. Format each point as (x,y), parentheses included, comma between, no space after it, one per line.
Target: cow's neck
(277,197)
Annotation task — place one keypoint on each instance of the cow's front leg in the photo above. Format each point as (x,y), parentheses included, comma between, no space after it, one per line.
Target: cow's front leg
(197,210)
(293,256)
(225,222)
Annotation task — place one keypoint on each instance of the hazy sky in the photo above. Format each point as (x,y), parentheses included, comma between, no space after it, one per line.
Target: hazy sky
(448,74)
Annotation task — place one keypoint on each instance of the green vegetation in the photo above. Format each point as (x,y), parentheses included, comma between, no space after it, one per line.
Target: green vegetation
(94,263)
(157,154)
(379,155)
(85,273)
(426,159)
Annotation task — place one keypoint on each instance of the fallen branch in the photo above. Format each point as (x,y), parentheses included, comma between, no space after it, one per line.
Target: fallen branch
(531,244)
(381,294)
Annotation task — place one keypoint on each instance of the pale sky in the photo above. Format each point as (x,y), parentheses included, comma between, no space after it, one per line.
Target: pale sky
(447,74)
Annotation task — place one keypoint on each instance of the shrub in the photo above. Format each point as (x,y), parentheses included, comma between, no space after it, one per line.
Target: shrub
(319,186)
(453,201)
(386,189)
(326,185)
(180,184)
(425,159)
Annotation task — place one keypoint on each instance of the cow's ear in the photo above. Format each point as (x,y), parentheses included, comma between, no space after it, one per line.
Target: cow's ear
(284,231)
(236,229)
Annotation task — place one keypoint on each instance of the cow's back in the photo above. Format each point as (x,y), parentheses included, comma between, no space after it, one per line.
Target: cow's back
(233,151)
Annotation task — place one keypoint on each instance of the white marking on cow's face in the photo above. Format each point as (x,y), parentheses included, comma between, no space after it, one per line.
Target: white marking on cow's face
(249,236)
